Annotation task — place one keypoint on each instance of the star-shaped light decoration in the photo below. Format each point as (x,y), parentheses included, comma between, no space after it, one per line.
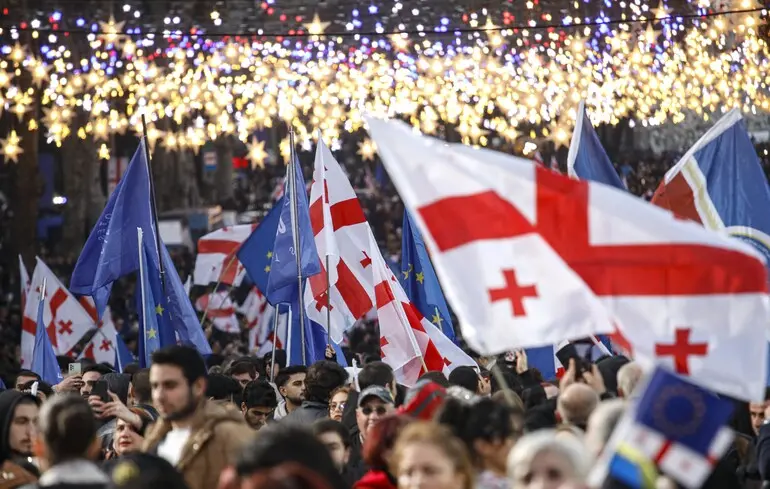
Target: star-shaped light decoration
(32,126)
(100,129)
(493,34)
(104,152)
(560,136)
(170,142)
(399,41)
(316,28)
(152,333)
(285,150)
(5,79)
(257,154)
(39,71)
(367,149)
(662,11)
(111,31)
(20,109)
(10,147)
(18,53)
(650,35)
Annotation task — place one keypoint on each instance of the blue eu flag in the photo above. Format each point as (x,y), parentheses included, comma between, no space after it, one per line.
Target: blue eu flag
(256,254)
(587,159)
(44,361)
(295,217)
(155,330)
(111,249)
(123,355)
(419,279)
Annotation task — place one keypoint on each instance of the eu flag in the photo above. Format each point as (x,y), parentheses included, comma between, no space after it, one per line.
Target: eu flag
(111,249)
(123,355)
(155,330)
(295,217)
(587,159)
(256,254)
(44,361)
(419,279)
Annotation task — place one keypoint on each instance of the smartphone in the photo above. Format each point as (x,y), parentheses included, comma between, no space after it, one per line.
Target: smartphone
(75,368)
(100,389)
(569,352)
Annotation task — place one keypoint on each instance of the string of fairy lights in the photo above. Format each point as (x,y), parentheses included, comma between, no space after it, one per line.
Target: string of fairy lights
(517,82)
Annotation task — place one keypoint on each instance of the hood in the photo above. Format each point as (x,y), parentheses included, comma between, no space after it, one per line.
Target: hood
(8,402)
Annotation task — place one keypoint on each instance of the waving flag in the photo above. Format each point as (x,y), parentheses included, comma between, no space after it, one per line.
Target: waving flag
(220,310)
(587,159)
(102,347)
(294,218)
(65,319)
(110,251)
(531,258)
(123,356)
(44,361)
(24,282)
(419,280)
(256,253)
(216,260)
(342,237)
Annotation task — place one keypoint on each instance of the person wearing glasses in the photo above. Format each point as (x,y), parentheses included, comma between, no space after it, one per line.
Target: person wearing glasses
(337,402)
(259,403)
(374,403)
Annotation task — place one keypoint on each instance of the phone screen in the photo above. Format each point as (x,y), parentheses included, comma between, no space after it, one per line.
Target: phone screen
(100,389)
(75,368)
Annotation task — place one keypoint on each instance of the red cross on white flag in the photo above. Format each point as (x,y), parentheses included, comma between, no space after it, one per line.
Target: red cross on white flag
(216,260)
(530,258)
(65,319)
(101,348)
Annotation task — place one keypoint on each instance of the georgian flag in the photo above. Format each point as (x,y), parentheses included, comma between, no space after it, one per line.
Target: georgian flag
(216,260)
(220,310)
(529,258)
(103,345)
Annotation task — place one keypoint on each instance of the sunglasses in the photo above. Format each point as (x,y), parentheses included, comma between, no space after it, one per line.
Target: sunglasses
(380,410)
(335,406)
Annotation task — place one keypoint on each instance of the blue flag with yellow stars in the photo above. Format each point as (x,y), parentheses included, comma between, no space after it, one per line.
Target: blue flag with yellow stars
(419,279)
(155,329)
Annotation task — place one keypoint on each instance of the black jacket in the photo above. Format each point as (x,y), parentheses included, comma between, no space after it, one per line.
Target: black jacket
(8,402)
(76,474)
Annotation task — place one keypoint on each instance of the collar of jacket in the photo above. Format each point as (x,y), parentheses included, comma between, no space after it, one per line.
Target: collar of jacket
(73,472)
(206,418)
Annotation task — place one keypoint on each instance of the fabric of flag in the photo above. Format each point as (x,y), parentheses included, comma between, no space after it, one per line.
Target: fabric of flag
(315,338)
(342,237)
(124,356)
(587,159)
(256,254)
(44,361)
(155,329)
(629,468)
(65,319)
(216,261)
(111,250)
(531,258)
(24,282)
(220,310)
(102,346)
(294,218)
(682,427)
(419,279)
(181,313)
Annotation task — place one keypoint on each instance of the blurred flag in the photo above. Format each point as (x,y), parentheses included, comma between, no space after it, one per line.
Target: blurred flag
(294,218)
(44,361)
(220,310)
(531,257)
(101,347)
(24,282)
(110,251)
(124,355)
(419,279)
(678,425)
(64,317)
(216,261)
(587,159)
(630,469)
(155,330)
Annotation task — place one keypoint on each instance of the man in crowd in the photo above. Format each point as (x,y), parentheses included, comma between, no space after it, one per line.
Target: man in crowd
(290,383)
(628,377)
(18,415)
(243,371)
(321,379)
(67,436)
(195,435)
(335,438)
(467,378)
(259,403)
(374,403)
(24,377)
(91,374)
(140,393)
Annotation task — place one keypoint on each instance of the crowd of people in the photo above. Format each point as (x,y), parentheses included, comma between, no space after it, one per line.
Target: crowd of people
(187,422)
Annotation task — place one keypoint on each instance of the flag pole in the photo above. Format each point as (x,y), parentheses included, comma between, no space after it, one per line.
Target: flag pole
(275,341)
(295,230)
(154,205)
(143,329)
(219,281)
(328,306)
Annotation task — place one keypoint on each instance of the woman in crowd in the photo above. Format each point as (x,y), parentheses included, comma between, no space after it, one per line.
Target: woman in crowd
(127,438)
(377,453)
(544,460)
(337,402)
(428,456)
(486,428)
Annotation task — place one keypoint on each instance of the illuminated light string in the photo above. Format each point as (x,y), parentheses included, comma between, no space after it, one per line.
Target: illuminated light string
(485,94)
(454,31)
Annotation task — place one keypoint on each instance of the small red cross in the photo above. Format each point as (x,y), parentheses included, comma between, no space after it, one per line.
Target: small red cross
(681,350)
(323,301)
(106,345)
(366,261)
(383,342)
(513,292)
(65,327)
(447,362)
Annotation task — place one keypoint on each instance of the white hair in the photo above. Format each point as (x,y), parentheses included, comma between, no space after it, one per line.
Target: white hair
(628,377)
(602,423)
(533,444)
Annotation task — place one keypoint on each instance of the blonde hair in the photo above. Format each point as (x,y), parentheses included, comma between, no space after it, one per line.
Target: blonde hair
(533,444)
(440,437)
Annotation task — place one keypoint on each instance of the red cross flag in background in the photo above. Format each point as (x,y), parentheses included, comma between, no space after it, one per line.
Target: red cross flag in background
(528,258)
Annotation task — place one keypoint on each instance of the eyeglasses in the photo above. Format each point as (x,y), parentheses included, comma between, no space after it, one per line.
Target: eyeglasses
(334,406)
(380,410)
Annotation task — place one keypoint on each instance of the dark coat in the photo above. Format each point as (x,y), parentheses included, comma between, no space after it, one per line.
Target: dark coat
(308,413)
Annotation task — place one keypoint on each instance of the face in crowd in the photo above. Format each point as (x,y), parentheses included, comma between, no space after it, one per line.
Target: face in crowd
(172,395)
